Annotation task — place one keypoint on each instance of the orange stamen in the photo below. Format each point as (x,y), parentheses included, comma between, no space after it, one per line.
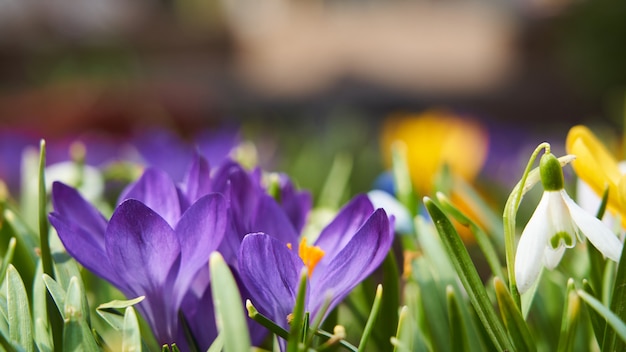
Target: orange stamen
(310,255)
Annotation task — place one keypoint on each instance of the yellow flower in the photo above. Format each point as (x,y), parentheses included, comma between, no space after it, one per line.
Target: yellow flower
(435,138)
(597,167)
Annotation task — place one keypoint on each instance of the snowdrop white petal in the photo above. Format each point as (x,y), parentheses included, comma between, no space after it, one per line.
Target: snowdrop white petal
(552,257)
(531,246)
(597,232)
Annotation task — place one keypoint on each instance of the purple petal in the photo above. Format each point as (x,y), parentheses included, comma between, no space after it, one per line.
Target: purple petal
(296,204)
(197,180)
(200,231)
(356,261)
(166,151)
(270,271)
(156,190)
(83,246)
(142,248)
(339,232)
(216,145)
(271,219)
(69,204)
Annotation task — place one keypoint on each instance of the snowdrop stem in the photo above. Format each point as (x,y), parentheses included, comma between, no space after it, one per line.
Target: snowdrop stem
(508,218)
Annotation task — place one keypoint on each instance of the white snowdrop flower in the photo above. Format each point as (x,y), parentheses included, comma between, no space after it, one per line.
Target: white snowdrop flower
(557,223)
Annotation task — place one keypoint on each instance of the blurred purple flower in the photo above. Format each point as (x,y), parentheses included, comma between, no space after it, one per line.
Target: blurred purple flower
(349,249)
(167,151)
(155,243)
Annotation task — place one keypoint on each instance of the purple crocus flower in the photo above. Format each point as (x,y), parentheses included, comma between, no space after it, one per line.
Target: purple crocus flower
(155,243)
(348,250)
(251,209)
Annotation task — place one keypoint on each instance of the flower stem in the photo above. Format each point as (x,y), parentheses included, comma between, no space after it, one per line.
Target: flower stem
(508,218)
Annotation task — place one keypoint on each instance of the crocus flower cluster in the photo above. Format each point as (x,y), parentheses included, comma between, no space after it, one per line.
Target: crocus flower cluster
(158,241)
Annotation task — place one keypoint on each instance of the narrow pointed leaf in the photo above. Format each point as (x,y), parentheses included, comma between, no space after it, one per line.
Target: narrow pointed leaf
(571,316)
(131,336)
(372,318)
(20,326)
(611,342)
(469,277)
(76,333)
(598,323)
(231,321)
(455,320)
(217,345)
(57,292)
(110,313)
(295,329)
(8,257)
(612,320)
(513,320)
(404,335)
(385,326)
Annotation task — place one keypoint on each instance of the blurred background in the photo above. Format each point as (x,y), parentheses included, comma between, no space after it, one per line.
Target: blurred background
(310,82)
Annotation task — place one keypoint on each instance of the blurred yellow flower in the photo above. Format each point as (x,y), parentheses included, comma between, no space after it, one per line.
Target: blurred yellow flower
(434,138)
(597,167)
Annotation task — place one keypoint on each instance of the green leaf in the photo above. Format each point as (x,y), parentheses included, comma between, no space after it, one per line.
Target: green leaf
(57,292)
(469,277)
(571,316)
(254,314)
(297,319)
(229,315)
(76,333)
(455,320)
(612,320)
(481,237)
(386,324)
(513,320)
(8,257)
(372,318)
(598,323)
(618,306)
(217,345)
(110,313)
(20,326)
(402,178)
(131,335)
(403,340)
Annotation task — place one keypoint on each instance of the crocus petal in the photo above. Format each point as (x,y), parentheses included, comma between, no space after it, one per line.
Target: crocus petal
(270,218)
(85,248)
(270,272)
(199,231)
(531,246)
(295,204)
(197,180)
(356,261)
(156,190)
(69,204)
(597,233)
(166,151)
(141,246)
(339,232)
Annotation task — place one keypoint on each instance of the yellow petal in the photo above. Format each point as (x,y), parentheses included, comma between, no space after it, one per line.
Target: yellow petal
(594,164)
(435,138)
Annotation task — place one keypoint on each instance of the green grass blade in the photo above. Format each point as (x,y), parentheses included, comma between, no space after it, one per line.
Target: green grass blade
(571,316)
(110,311)
(598,323)
(403,341)
(469,277)
(455,320)
(20,323)
(295,328)
(372,318)
(618,306)
(513,320)
(612,320)
(231,321)
(57,292)
(131,335)
(77,335)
